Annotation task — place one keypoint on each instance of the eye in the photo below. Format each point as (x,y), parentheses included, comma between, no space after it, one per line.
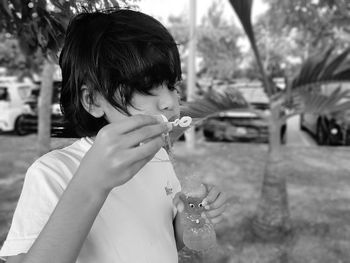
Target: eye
(191,205)
(173,88)
(200,205)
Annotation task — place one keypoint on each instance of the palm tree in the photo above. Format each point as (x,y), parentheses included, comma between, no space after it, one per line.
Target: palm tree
(272,217)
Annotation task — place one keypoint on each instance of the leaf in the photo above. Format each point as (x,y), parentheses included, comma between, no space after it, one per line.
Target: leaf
(323,68)
(243,9)
(213,103)
(306,101)
(311,69)
(4,8)
(332,66)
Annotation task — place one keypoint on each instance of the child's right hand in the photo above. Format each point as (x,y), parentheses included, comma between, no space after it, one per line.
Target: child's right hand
(120,150)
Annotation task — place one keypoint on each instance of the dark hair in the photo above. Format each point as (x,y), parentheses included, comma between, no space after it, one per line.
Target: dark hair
(116,54)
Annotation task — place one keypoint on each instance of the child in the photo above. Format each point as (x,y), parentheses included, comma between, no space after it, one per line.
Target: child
(109,196)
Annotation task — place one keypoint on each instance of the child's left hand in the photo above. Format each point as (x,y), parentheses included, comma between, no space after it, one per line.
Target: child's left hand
(215,204)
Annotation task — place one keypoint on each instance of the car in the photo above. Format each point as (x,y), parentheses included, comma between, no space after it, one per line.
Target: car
(240,126)
(13,96)
(29,120)
(244,124)
(329,129)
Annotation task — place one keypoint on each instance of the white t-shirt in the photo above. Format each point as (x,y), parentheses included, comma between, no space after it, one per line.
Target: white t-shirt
(134,225)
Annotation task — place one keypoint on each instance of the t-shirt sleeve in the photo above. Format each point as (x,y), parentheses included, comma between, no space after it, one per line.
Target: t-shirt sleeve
(40,193)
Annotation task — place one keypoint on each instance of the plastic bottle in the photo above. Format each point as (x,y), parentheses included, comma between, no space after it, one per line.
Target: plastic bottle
(199,233)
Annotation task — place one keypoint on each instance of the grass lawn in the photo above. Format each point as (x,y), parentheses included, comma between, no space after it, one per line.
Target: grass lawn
(318,186)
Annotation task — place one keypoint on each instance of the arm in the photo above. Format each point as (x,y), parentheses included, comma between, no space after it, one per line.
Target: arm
(112,160)
(64,234)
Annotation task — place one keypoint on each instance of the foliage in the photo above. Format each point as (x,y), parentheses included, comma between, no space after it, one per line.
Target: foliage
(41,24)
(213,103)
(12,58)
(10,55)
(217,44)
(303,94)
(243,9)
(319,23)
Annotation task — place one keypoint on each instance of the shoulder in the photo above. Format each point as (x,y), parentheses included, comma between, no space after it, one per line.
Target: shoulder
(59,164)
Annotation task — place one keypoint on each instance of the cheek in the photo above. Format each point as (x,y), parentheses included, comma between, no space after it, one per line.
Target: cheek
(142,105)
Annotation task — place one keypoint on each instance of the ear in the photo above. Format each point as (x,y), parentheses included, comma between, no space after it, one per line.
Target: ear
(92,106)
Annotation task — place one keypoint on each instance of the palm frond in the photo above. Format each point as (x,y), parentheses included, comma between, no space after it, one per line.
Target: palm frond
(306,101)
(311,69)
(213,103)
(243,9)
(323,68)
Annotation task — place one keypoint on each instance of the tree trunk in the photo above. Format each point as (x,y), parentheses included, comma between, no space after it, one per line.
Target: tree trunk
(191,74)
(44,108)
(271,221)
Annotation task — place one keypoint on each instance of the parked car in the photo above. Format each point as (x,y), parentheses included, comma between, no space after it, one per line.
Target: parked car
(243,125)
(29,120)
(13,95)
(331,129)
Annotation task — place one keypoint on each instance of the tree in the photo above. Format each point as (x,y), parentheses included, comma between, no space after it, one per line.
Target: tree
(217,44)
(272,218)
(40,25)
(315,23)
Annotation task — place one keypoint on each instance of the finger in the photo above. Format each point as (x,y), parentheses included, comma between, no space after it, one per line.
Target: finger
(220,201)
(138,157)
(129,124)
(144,134)
(178,197)
(146,150)
(217,219)
(178,203)
(211,197)
(215,212)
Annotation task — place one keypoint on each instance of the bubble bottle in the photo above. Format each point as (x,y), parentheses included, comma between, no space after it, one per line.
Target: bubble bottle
(199,233)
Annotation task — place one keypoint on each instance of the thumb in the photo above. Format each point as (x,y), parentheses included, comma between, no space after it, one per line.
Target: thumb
(178,203)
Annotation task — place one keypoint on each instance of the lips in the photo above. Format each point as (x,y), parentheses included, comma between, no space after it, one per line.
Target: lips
(173,118)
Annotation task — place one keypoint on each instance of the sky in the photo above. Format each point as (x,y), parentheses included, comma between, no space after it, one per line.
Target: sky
(161,9)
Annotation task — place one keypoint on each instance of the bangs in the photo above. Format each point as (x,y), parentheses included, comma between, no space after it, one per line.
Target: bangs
(137,68)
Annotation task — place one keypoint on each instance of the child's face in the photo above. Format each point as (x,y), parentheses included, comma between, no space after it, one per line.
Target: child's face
(163,101)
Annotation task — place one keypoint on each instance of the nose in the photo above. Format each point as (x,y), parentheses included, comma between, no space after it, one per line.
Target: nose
(167,99)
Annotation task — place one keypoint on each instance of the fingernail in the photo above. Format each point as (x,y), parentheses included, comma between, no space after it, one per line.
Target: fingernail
(164,118)
(207,207)
(180,207)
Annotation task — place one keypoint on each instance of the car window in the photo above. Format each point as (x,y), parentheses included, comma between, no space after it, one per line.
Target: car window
(4,95)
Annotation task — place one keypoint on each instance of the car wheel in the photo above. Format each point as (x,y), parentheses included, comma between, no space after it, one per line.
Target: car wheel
(209,135)
(321,134)
(19,127)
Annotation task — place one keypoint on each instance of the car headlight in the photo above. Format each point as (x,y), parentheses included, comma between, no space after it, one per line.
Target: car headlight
(334,131)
